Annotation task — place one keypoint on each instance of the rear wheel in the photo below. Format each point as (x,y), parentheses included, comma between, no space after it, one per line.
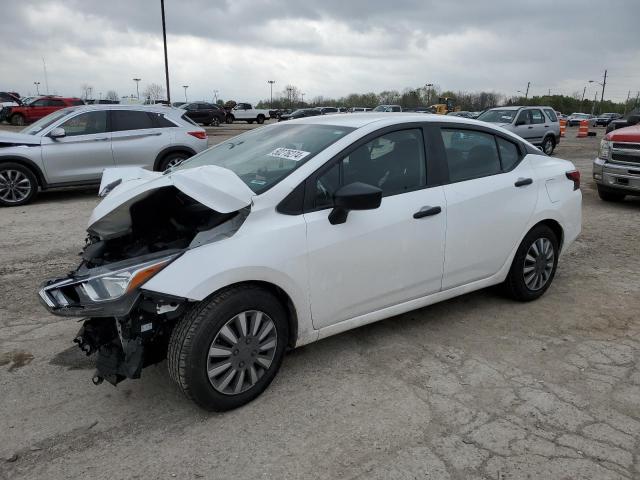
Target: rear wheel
(171,160)
(227,350)
(215,122)
(548,145)
(610,196)
(534,265)
(17,119)
(260,119)
(18,185)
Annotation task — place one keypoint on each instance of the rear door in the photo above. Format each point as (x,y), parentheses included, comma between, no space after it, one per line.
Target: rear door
(540,125)
(83,153)
(491,194)
(136,139)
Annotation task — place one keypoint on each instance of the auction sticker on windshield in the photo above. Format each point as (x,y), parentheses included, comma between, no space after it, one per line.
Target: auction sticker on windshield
(289,154)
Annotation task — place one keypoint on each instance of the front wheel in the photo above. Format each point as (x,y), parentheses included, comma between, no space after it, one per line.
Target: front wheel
(227,350)
(215,122)
(534,265)
(260,119)
(18,185)
(17,119)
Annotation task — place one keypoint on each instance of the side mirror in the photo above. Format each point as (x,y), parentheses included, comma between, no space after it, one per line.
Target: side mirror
(519,122)
(57,132)
(355,196)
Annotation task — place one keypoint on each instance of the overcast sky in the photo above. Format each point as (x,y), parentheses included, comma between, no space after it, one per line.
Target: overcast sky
(324,47)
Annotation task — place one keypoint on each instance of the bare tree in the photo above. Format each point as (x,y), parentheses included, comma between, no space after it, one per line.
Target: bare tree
(153,91)
(86,91)
(112,95)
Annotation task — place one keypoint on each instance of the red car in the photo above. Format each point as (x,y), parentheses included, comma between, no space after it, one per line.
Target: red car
(39,108)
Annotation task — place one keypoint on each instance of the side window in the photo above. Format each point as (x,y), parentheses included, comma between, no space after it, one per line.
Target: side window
(53,102)
(470,154)
(523,118)
(86,124)
(395,109)
(394,162)
(40,103)
(536,116)
(509,153)
(551,114)
(130,120)
(161,121)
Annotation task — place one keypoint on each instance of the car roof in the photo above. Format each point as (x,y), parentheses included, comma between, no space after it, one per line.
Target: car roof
(158,108)
(358,120)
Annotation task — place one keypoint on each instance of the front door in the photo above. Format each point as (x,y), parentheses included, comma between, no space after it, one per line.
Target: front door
(83,153)
(377,258)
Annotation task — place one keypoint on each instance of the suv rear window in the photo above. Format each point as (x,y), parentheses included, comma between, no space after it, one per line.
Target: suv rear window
(188,120)
(551,114)
(161,121)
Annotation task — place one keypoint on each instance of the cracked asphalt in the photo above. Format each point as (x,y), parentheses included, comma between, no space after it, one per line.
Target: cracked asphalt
(478,387)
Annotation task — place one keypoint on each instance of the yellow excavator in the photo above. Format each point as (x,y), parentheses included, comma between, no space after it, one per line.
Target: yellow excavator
(444,106)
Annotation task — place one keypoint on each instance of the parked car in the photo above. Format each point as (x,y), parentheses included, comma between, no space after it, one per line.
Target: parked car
(301,230)
(40,108)
(388,108)
(359,109)
(538,125)
(246,113)
(328,110)
(463,114)
(575,119)
(616,170)
(606,118)
(204,112)
(632,118)
(8,100)
(300,113)
(74,145)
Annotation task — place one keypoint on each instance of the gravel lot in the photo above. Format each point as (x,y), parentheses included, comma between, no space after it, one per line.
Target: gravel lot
(475,387)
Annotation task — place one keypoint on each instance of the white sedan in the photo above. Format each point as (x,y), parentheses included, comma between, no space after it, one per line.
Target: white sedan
(300,230)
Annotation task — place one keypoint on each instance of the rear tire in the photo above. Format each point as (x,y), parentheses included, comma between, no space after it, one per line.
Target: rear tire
(260,119)
(17,119)
(171,160)
(208,346)
(215,122)
(548,145)
(534,265)
(18,185)
(609,196)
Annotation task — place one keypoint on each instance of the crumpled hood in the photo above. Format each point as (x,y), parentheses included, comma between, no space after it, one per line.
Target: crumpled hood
(215,187)
(18,139)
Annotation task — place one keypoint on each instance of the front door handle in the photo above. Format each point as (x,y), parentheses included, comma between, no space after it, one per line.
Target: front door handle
(521,182)
(427,212)
(100,139)
(530,127)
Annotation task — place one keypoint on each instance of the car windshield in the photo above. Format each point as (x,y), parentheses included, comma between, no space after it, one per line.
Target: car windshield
(580,115)
(380,108)
(45,122)
(498,116)
(263,157)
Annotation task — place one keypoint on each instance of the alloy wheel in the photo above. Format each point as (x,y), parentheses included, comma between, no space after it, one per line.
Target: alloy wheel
(15,186)
(242,352)
(538,264)
(174,162)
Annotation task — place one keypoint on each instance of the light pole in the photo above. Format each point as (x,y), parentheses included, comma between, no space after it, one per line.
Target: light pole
(215,95)
(302,95)
(271,82)
(166,61)
(137,80)
(37,87)
(526,94)
(185,92)
(289,92)
(602,84)
(428,86)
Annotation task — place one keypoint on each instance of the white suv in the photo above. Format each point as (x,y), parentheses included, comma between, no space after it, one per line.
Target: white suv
(74,145)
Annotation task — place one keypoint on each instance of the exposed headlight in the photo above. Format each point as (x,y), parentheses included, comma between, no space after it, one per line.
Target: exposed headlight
(605,150)
(112,285)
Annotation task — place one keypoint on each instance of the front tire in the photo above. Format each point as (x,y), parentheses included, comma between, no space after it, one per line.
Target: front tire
(18,185)
(227,350)
(17,119)
(609,196)
(548,145)
(260,119)
(534,265)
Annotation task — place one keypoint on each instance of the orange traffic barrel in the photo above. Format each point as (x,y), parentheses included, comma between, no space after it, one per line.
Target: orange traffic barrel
(563,127)
(583,129)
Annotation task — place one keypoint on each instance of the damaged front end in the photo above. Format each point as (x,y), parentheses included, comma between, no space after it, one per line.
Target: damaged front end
(147,229)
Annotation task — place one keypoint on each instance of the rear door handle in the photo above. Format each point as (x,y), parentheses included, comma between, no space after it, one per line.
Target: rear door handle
(100,139)
(521,182)
(427,212)
(529,127)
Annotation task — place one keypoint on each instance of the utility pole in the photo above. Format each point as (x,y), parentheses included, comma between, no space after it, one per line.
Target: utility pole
(526,94)
(604,84)
(429,85)
(549,94)
(185,92)
(626,102)
(166,61)
(595,99)
(46,79)
(302,95)
(38,89)
(137,80)
(271,82)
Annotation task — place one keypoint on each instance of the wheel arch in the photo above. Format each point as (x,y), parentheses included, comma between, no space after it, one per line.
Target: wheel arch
(555,227)
(173,149)
(30,164)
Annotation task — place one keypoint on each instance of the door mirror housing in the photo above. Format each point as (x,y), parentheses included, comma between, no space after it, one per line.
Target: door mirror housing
(355,196)
(57,132)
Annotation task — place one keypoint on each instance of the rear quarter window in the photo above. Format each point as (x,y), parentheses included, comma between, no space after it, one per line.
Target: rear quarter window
(551,114)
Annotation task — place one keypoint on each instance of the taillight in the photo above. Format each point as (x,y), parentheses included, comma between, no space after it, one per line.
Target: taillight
(574,176)
(202,135)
